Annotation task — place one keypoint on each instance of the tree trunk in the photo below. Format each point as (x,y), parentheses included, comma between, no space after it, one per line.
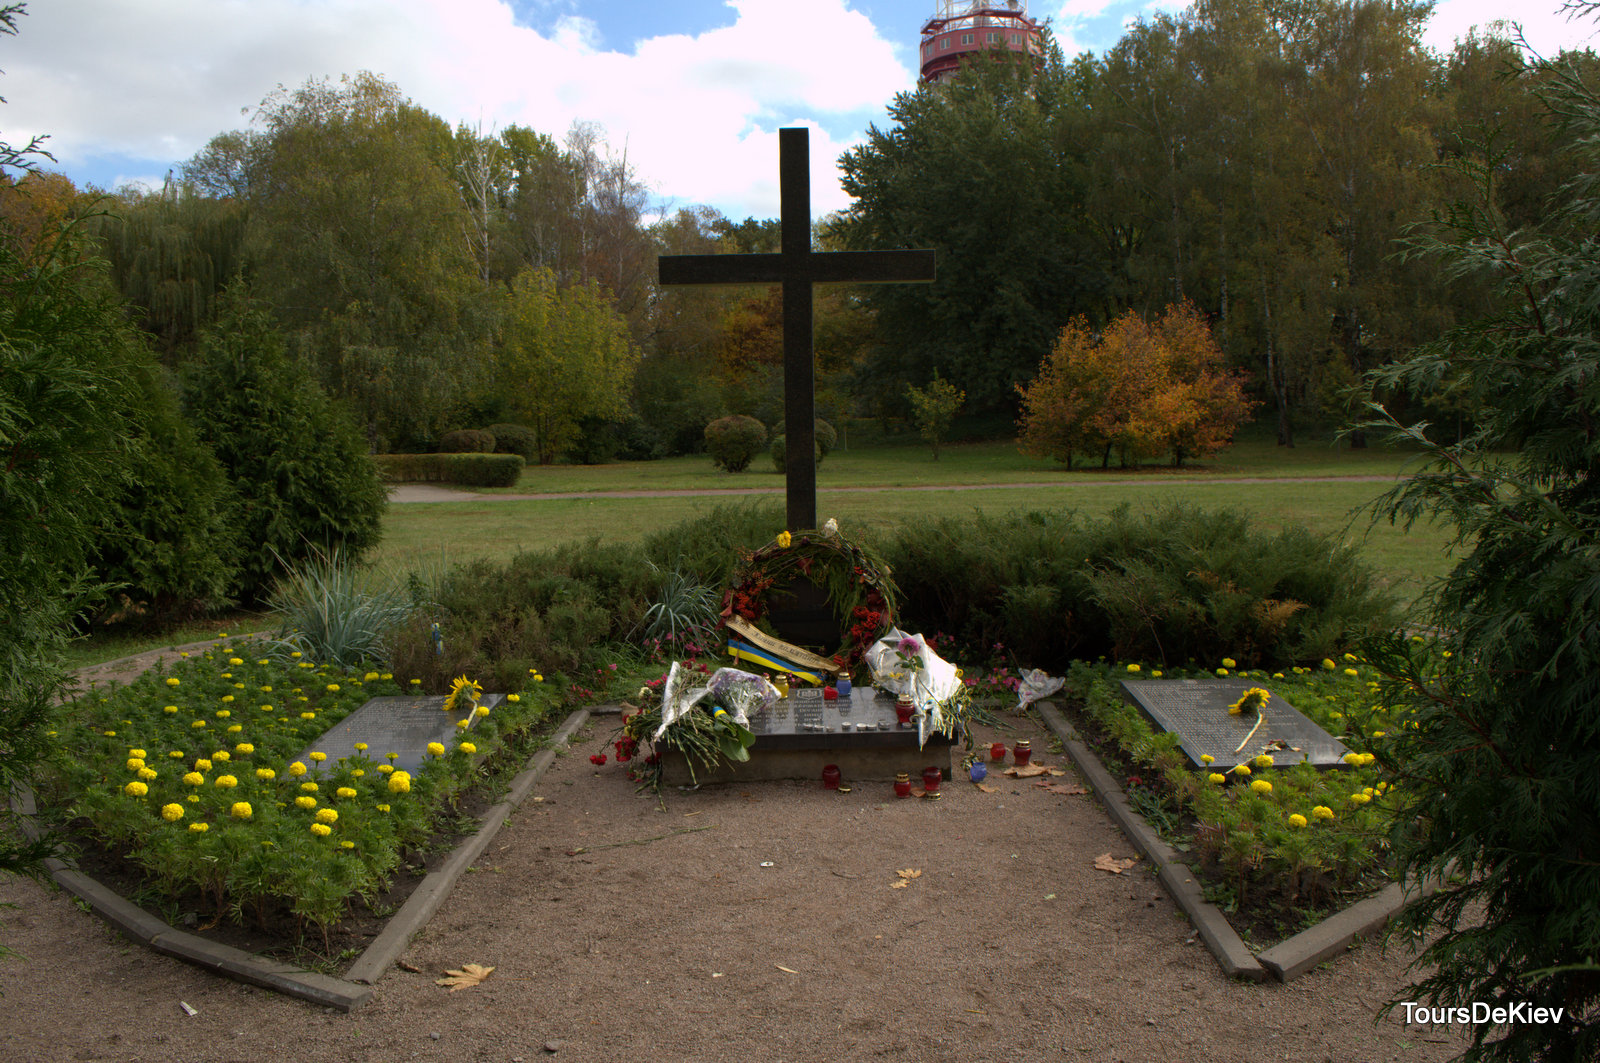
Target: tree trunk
(1274,376)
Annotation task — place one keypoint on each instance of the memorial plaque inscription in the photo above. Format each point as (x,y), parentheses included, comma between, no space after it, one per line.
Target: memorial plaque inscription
(1196,710)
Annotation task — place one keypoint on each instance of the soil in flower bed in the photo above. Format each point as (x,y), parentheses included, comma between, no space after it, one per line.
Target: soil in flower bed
(1262,921)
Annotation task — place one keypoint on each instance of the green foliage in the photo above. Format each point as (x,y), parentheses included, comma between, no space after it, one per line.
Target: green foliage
(708,547)
(469,441)
(171,548)
(515,439)
(329,612)
(734,441)
(66,351)
(934,408)
(780,452)
(1506,735)
(472,470)
(566,355)
(825,435)
(684,608)
(1173,585)
(301,470)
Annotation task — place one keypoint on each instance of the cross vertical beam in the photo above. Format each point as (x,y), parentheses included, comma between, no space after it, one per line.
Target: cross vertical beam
(797,268)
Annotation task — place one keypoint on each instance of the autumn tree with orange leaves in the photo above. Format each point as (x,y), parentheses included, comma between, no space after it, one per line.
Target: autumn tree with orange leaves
(1140,389)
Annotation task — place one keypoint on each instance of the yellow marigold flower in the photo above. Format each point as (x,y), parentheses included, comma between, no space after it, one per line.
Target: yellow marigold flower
(308,716)
(244,749)
(1368,758)
(321,830)
(369,677)
(227,699)
(136,789)
(172,813)
(392,755)
(1351,672)
(482,710)
(345,792)
(309,787)
(400,783)
(436,749)
(137,754)
(518,697)
(358,773)
(221,754)
(347,845)
(199,828)
(1297,820)
(1222,671)
(235,729)
(109,734)
(1360,799)
(198,723)
(1228,662)
(1156,674)
(333,688)
(194,778)
(265,774)
(135,763)
(461,725)
(172,680)
(1352,658)
(1261,786)
(319,756)
(1352,759)
(170,710)
(192,798)
(383,808)
(202,764)
(295,654)
(176,754)
(327,815)
(1322,812)
(1133,667)
(416,682)
(147,774)
(1328,664)
(234,660)
(1277,675)
(266,689)
(1241,769)
(467,747)
(266,708)
(1379,734)
(297,768)
(386,768)
(1216,778)
(1382,787)
(361,747)
(784,539)
(305,802)
(241,810)
(1206,758)
(1263,761)
(227,782)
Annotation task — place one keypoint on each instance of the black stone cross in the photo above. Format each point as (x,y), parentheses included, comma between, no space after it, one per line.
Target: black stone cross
(797,268)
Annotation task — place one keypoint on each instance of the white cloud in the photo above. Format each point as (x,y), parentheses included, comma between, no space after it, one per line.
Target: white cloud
(156,79)
(1547,28)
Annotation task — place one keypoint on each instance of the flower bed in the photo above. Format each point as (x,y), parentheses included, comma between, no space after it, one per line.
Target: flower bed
(193,775)
(1271,844)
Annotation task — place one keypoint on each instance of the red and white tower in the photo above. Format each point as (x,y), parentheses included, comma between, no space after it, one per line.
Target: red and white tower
(962,29)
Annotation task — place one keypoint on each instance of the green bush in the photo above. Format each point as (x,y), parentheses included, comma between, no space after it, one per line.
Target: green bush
(825,435)
(171,549)
(734,441)
(515,439)
(468,441)
(332,614)
(296,458)
(1174,585)
(472,470)
(780,454)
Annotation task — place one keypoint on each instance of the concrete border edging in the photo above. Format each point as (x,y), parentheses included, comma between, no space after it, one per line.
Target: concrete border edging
(348,993)
(436,886)
(1286,960)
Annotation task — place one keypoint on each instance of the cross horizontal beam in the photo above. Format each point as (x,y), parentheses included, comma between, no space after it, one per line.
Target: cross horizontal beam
(835,267)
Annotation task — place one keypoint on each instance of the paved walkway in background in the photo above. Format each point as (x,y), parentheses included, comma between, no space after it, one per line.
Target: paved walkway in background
(435,493)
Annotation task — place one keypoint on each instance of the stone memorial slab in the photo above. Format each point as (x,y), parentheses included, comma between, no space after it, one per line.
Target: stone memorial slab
(1196,710)
(403,724)
(858,732)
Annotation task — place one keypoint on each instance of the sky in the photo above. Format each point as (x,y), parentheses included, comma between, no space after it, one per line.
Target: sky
(693,91)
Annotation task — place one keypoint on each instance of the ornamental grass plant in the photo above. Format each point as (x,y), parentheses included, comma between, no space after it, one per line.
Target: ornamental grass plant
(332,611)
(196,775)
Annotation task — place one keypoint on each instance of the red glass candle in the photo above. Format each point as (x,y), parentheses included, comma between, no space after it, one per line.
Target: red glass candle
(997,751)
(902,785)
(931,779)
(903,708)
(830,777)
(1021,752)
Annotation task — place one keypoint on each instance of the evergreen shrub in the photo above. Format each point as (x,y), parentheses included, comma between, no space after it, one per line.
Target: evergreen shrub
(780,453)
(824,433)
(515,439)
(468,441)
(733,442)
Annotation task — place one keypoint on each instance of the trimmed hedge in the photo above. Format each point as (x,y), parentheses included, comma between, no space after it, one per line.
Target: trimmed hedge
(475,470)
(467,441)
(824,434)
(780,452)
(515,439)
(733,441)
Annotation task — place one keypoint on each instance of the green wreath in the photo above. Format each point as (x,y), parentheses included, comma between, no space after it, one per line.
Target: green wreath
(854,579)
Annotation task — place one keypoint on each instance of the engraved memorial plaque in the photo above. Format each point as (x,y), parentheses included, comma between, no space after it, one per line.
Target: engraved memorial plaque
(401,724)
(1196,710)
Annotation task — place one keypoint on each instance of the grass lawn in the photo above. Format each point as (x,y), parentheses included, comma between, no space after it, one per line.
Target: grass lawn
(422,533)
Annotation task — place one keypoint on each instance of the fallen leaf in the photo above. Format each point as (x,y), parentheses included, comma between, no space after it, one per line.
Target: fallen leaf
(1027,772)
(1106,862)
(986,788)
(910,872)
(787,970)
(404,966)
(469,975)
(1066,788)
(900,885)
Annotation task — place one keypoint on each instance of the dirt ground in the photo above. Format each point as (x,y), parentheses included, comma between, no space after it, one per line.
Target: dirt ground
(620,930)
